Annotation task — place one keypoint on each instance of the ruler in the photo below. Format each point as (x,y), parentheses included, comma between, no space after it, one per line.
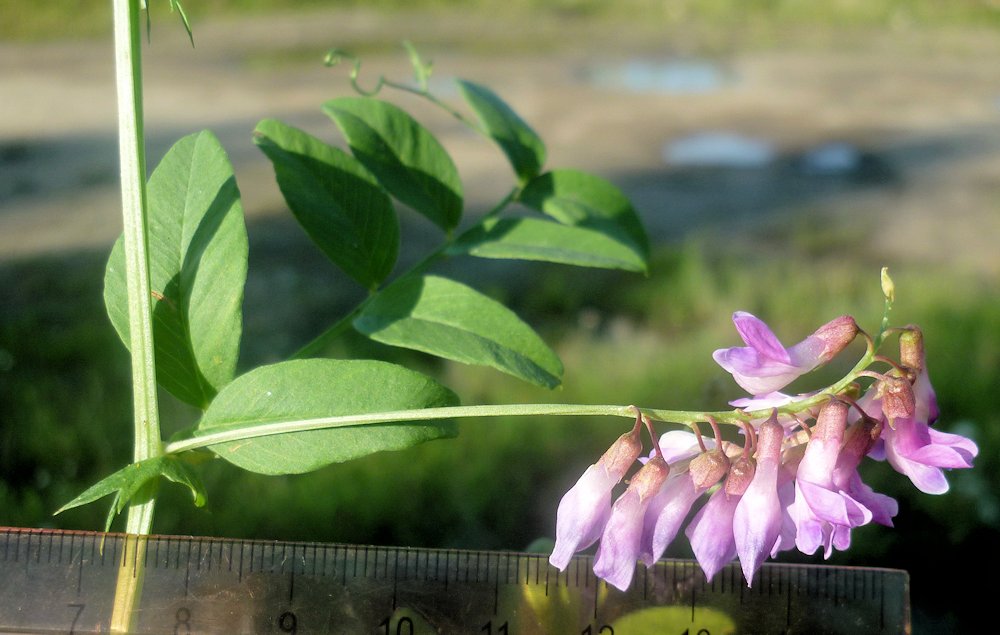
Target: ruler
(64,582)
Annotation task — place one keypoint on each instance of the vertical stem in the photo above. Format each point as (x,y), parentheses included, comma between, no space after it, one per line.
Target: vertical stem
(131,147)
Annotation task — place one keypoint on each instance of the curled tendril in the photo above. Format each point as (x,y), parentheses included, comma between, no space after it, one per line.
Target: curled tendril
(335,56)
(421,71)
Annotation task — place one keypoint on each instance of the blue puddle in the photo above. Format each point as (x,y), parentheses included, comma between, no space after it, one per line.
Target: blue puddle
(719,150)
(669,77)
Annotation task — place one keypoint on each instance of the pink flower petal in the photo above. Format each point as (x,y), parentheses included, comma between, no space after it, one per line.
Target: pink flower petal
(582,513)
(667,511)
(835,507)
(760,337)
(711,532)
(758,518)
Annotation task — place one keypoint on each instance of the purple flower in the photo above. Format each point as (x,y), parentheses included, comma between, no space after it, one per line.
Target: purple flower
(668,509)
(765,402)
(824,513)
(620,542)
(764,365)
(586,507)
(859,440)
(919,451)
(758,516)
(786,498)
(801,490)
(909,443)
(711,532)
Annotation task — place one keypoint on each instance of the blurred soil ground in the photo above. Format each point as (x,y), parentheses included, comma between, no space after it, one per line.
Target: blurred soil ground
(921,109)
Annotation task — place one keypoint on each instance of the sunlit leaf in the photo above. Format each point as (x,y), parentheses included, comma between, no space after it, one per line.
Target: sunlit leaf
(403,155)
(128,481)
(577,198)
(197,270)
(448,319)
(534,239)
(315,388)
(335,199)
(523,147)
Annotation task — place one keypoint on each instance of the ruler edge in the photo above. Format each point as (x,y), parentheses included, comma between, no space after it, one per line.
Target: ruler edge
(132,538)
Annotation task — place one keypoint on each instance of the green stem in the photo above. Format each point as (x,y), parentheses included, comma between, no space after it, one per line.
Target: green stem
(429,96)
(128,77)
(395,416)
(734,417)
(321,341)
(131,147)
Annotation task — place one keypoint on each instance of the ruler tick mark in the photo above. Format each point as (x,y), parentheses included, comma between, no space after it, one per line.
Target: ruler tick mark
(79,576)
(692,603)
(239,574)
(881,612)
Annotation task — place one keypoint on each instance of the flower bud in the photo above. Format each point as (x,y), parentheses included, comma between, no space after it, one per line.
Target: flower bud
(740,475)
(707,468)
(888,286)
(836,335)
(911,349)
(897,397)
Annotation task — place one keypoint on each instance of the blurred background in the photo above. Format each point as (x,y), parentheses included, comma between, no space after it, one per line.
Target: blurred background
(779,153)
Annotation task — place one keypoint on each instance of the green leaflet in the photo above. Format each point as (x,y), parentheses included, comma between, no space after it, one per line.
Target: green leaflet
(128,481)
(535,239)
(315,388)
(197,270)
(335,199)
(448,319)
(403,155)
(523,147)
(577,198)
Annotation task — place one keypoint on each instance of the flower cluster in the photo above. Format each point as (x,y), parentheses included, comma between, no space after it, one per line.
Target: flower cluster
(793,482)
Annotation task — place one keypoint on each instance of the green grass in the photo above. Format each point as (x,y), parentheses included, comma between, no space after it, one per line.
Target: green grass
(31,20)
